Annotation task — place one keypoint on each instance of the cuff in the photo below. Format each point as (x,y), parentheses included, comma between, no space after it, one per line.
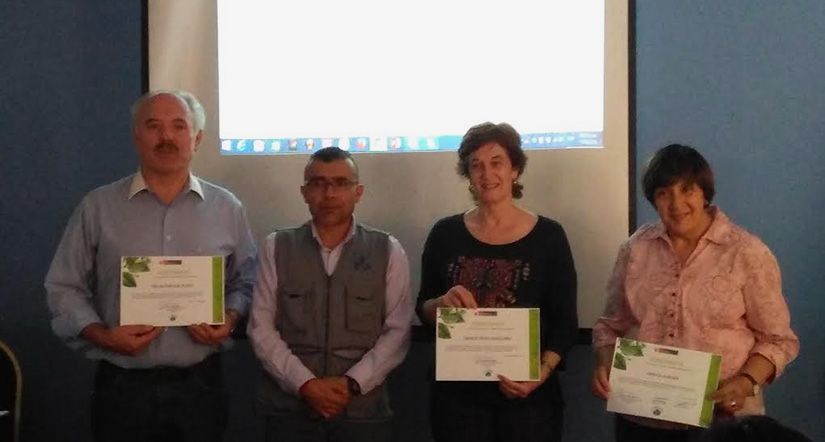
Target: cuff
(239,303)
(776,355)
(297,381)
(360,377)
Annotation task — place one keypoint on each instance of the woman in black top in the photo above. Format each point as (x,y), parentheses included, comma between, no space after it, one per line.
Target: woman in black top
(500,255)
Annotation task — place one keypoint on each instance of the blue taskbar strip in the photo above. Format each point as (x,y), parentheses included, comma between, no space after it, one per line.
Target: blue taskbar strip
(368,144)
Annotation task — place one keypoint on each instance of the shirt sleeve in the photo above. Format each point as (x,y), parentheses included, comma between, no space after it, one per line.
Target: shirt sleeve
(766,312)
(273,352)
(71,275)
(241,267)
(617,318)
(430,284)
(559,300)
(391,347)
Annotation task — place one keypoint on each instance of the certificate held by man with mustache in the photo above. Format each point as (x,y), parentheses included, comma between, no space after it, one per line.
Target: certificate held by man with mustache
(481,344)
(660,382)
(171,290)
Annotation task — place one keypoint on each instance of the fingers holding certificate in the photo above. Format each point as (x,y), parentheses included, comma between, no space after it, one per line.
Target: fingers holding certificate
(483,344)
(171,290)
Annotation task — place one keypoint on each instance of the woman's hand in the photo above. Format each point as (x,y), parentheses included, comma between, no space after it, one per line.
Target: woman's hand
(731,394)
(517,389)
(600,382)
(458,296)
(521,389)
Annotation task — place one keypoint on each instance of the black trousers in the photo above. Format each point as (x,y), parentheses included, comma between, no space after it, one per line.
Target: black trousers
(627,431)
(299,427)
(160,404)
(479,413)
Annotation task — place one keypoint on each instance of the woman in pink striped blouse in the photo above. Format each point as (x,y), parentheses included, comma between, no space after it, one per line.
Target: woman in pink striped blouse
(695,280)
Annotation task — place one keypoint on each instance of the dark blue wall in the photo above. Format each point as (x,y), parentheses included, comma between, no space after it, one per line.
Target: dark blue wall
(741,80)
(69,72)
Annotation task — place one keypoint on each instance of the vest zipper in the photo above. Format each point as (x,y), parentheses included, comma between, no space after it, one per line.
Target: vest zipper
(326,331)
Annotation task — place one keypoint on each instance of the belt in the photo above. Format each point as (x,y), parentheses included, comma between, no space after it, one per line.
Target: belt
(164,372)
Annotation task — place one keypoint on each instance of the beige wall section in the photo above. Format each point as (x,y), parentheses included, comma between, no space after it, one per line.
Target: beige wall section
(585,190)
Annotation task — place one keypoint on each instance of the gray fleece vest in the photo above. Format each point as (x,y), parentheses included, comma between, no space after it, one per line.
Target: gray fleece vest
(330,322)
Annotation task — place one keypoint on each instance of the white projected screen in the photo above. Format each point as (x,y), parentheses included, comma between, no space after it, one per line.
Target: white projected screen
(279,79)
(394,76)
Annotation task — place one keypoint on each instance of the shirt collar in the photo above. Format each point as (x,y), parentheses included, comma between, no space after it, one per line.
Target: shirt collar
(720,229)
(139,184)
(349,236)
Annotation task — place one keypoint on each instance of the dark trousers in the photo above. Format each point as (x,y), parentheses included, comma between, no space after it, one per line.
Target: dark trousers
(627,431)
(466,417)
(160,404)
(295,427)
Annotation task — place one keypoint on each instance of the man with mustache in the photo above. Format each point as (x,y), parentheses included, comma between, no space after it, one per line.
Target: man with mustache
(330,315)
(152,383)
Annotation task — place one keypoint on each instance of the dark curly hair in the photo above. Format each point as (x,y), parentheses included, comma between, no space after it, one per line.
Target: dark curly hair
(502,134)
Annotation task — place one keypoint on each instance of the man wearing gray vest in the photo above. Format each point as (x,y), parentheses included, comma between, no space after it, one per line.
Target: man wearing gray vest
(330,315)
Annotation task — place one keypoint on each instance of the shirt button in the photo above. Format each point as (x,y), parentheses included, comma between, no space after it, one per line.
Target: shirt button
(169,237)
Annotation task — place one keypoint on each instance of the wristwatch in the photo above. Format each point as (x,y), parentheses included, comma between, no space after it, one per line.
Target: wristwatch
(352,385)
(753,382)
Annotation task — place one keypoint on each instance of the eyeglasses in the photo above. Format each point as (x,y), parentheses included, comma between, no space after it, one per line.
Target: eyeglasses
(320,184)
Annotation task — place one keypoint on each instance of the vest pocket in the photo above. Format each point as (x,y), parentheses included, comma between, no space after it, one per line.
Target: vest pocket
(292,307)
(363,309)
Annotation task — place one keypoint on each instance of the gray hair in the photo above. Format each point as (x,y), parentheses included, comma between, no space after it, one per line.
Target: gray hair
(194,109)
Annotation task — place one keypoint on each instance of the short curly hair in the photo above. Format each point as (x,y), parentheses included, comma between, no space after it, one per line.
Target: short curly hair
(502,134)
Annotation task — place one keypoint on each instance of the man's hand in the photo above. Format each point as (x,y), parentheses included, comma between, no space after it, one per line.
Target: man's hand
(328,396)
(214,334)
(129,340)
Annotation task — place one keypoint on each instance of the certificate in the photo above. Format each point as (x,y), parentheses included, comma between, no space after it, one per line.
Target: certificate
(481,344)
(171,290)
(660,382)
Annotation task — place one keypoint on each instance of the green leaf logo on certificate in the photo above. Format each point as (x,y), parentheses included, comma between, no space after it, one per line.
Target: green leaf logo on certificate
(481,344)
(171,290)
(659,382)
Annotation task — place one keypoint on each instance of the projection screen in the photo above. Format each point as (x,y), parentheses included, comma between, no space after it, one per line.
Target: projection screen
(581,183)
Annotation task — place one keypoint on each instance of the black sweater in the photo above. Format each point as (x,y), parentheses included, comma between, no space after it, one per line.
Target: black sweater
(535,271)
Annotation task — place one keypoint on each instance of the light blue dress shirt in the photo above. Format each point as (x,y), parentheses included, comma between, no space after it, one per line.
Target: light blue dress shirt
(126,218)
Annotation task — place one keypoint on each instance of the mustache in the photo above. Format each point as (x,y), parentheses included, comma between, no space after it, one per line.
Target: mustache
(168,145)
